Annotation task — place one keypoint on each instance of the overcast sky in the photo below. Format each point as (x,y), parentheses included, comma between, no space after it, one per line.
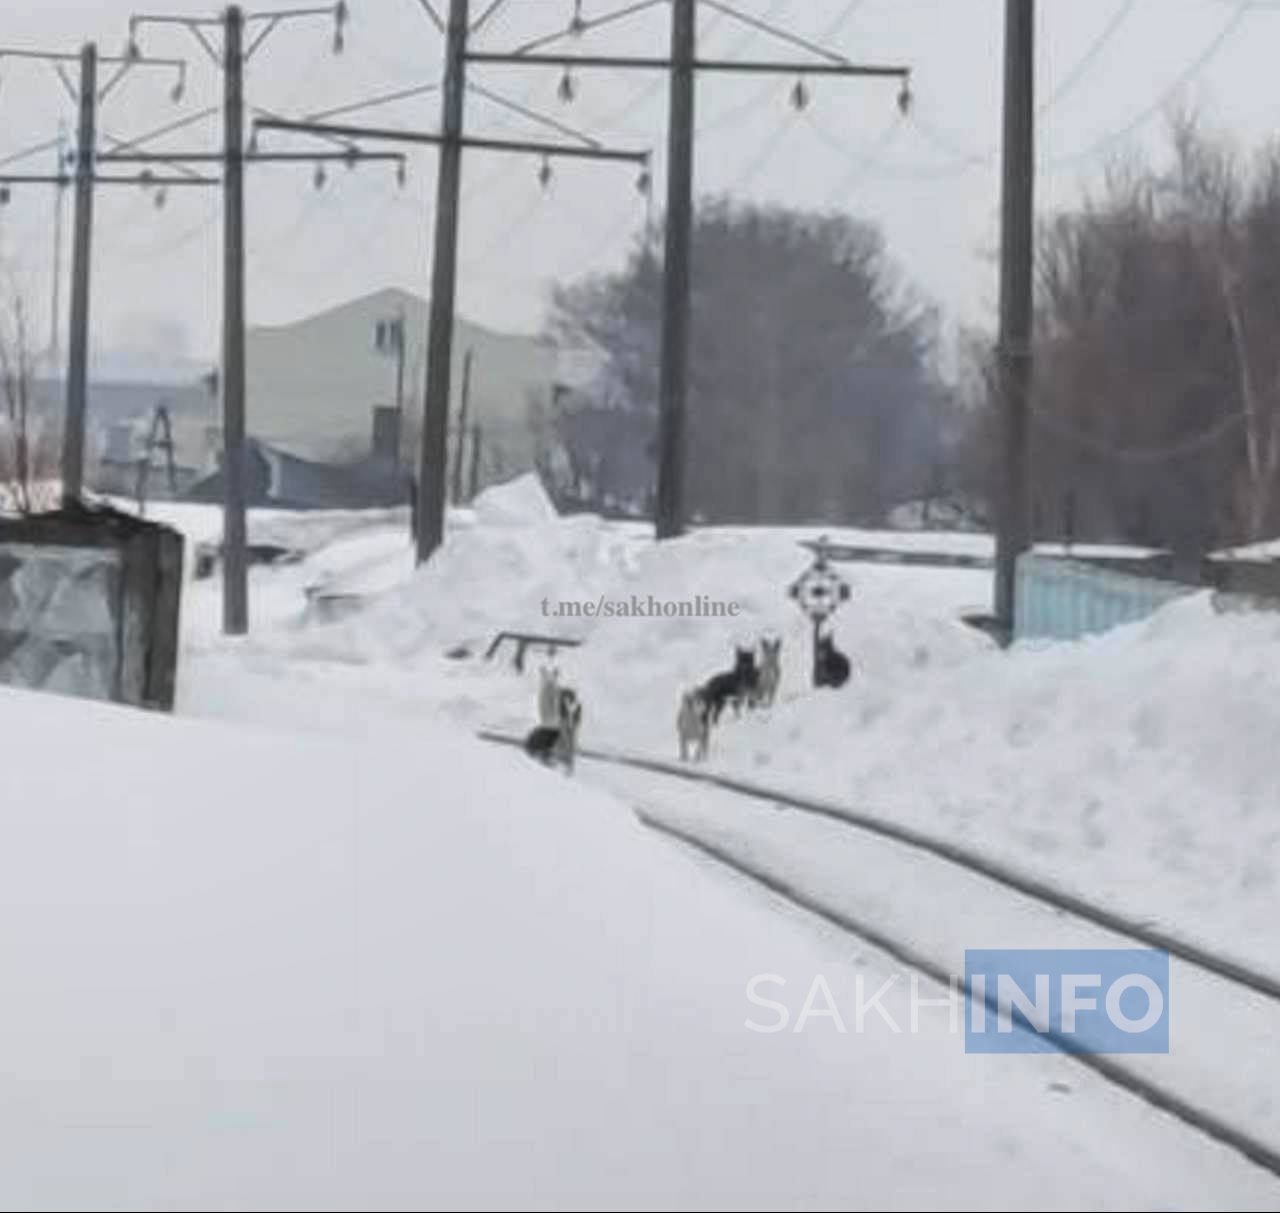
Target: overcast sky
(1108,69)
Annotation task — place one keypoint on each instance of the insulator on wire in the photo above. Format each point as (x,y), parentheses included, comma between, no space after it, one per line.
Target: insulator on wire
(800,95)
(339,20)
(253,142)
(179,86)
(161,198)
(644,182)
(577,24)
(568,88)
(544,172)
(402,174)
(320,176)
(5,195)
(905,97)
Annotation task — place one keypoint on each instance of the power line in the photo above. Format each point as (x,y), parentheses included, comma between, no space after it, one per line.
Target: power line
(525,111)
(964,159)
(610,120)
(775,31)
(1152,454)
(367,103)
(1197,65)
(581,25)
(764,153)
(1122,13)
(503,239)
(494,8)
(861,163)
(433,16)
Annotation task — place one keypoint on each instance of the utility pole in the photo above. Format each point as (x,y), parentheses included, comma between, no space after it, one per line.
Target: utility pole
(463,408)
(684,67)
(431,486)
(1016,264)
(235,570)
(477,437)
(444,279)
(78,350)
(673,390)
(231,59)
(87,94)
(401,355)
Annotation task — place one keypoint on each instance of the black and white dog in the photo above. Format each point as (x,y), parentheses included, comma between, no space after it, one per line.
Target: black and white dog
(558,743)
(736,686)
(832,668)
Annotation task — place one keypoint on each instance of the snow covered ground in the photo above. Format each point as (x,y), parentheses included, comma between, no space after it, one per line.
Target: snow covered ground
(258,969)
(1136,768)
(316,947)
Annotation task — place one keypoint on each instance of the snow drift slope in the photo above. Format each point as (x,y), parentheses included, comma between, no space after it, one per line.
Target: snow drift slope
(249,970)
(1135,768)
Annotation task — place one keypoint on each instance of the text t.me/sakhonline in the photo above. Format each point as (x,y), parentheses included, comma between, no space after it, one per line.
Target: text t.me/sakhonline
(701,606)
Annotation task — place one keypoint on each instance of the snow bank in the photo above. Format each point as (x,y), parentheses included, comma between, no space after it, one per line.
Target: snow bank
(257,970)
(519,502)
(1136,768)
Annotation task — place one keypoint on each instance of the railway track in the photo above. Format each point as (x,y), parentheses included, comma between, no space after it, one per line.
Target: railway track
(851,870)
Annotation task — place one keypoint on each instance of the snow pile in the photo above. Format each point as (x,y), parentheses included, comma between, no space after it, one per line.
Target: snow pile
(675,611)
(519,502)
(1138,767)
(280,972)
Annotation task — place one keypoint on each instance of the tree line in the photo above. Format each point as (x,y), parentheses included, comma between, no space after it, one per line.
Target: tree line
(815,393)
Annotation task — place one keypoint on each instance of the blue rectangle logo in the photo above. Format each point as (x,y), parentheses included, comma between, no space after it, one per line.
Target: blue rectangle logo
(1078,1000)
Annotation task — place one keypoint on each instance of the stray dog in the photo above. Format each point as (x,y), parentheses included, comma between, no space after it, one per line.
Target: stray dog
(832,665)
(770,670)
(558,743)
(693,726)
(549,696)
(736,686)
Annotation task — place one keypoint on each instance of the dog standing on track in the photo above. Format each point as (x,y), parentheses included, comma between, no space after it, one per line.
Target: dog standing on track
(693,726)
(549,696)
(736,686)
(557,743)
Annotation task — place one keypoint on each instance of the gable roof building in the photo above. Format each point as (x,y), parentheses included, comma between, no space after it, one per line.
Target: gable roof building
(313,385)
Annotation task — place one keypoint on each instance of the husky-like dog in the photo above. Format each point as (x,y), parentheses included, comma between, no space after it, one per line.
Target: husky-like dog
(832,665)
(558,743)
(770,670)
(736,686)
(693,726)
(549,696)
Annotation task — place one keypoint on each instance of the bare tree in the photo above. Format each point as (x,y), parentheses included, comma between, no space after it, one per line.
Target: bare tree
(812,384)
(1156,407)
(16,386)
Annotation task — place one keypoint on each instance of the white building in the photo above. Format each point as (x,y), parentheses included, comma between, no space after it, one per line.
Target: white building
(313,385)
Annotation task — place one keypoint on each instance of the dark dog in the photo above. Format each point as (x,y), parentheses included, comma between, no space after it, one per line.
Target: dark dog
(736,686)
(832,665)
(558,743)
